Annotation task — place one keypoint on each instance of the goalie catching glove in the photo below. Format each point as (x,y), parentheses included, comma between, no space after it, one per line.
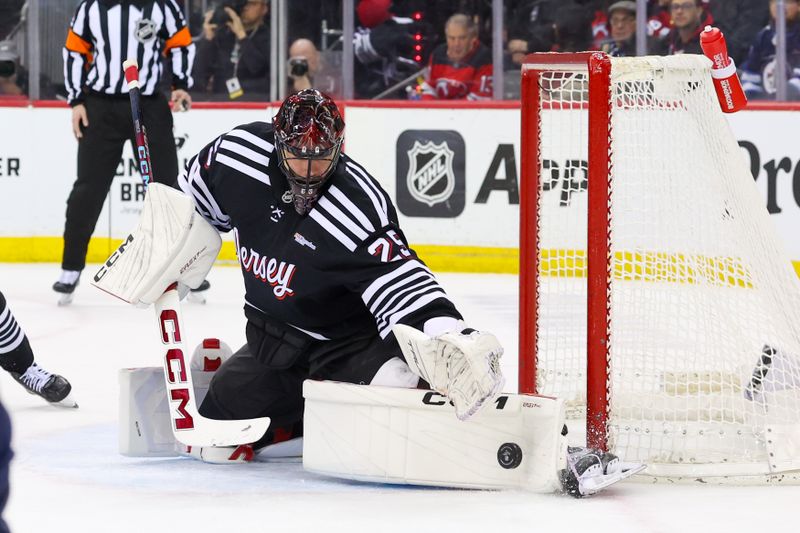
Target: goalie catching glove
(464,366)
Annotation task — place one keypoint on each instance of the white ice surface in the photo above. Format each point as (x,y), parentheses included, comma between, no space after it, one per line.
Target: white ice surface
(68,477)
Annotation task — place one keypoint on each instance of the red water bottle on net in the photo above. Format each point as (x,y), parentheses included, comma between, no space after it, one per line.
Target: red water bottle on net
(723,71)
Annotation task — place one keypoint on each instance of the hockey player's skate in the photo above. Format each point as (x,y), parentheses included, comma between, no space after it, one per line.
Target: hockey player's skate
(198,295)
(589,471)
(66,285)
(52,387)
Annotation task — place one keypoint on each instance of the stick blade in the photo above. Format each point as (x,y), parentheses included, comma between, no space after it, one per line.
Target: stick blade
(208,432)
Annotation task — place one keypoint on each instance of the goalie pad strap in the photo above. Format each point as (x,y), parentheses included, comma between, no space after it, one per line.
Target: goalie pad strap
(383,434)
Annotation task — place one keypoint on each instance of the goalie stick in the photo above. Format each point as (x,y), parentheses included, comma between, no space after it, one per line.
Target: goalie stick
(188,426)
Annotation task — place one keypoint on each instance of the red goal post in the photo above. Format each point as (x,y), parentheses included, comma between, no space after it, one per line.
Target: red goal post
(598,67)
(656,298)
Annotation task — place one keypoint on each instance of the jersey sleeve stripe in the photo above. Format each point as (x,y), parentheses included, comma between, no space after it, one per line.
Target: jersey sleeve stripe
(400,299)
(368,183)
(410,296)
(420,302)
(192,184)
(342,218)
(213,152)
(333,230)
(241,167)
(351,207)
(380,301)
(244,151)
(252,139)
(373,196)
(173,20)
(74,73)
(378,284)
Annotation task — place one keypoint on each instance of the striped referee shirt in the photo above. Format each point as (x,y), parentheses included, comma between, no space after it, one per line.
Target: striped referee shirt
(104,33)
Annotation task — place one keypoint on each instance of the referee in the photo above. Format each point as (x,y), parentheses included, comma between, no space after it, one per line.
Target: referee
(103,34)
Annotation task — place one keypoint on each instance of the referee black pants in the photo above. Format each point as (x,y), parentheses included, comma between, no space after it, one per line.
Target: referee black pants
(99,152)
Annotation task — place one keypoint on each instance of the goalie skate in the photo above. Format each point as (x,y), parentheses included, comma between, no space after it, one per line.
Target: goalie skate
(219,455)
(209,355)
(590,471)
(198,295)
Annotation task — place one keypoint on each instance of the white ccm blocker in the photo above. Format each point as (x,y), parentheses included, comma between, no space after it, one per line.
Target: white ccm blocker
(464,433)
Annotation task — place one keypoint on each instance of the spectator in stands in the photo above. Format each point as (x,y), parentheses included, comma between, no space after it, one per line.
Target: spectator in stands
(659,19)
(572,28)
(532,26)
(303,64)
(740,21)
(383,46)
(10,16)
(688,19)
(233,56)
(462,67)
(14,78)
(622,25)
(10,82)
(659,23)
(758,70)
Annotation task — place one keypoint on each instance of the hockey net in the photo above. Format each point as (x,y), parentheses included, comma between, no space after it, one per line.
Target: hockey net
(651,271)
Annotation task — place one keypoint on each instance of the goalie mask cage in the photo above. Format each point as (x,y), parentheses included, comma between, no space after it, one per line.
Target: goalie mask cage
(655,296)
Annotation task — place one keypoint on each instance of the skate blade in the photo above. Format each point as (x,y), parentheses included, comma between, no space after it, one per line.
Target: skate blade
(67,403)
(595,484)
(196,297)
(65,299)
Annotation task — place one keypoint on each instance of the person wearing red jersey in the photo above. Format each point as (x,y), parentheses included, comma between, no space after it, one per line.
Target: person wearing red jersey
(461,68)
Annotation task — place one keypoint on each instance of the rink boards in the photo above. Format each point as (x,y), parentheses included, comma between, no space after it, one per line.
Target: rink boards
(453,172)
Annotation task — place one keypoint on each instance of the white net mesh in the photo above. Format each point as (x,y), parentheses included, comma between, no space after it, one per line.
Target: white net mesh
(705,306)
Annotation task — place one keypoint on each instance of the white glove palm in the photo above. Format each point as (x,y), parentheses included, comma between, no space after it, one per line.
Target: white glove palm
(464,366)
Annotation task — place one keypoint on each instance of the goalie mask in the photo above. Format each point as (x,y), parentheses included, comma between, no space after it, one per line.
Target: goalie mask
(309,131)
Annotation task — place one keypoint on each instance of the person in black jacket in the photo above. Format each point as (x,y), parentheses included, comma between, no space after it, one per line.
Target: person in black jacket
(549,25)
(759,69)
(739,21)
(233,56)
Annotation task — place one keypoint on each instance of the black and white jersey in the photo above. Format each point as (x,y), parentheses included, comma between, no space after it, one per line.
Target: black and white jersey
(105,33)
(342,269)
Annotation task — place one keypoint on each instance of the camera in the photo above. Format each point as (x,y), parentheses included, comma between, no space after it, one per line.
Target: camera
(7,69)
(298,66)
(221,16)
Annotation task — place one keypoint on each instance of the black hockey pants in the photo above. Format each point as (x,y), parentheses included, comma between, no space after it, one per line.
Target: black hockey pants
(265,376)
(99,151)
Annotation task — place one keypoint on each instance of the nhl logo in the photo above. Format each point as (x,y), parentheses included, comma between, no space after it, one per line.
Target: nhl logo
(430,177)
(145,30)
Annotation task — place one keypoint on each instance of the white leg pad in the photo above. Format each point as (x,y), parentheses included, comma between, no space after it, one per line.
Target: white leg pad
(145,428)
(392,435)
(395,373)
